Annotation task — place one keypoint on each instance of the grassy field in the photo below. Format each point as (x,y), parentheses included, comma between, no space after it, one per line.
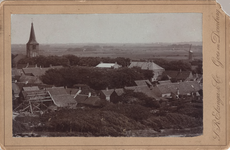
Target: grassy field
(133,51)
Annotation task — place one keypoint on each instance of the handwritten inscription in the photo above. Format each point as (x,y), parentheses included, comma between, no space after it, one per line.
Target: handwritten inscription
(215,37)
(216,80)
(216,109)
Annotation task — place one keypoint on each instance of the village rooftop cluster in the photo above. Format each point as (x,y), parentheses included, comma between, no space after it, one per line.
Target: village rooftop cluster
(29,92)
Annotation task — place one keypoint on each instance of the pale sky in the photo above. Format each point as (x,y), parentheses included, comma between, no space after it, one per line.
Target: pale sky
(108,28)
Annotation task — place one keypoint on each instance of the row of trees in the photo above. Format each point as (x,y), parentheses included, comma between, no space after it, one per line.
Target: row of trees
(96,78)
(72,60)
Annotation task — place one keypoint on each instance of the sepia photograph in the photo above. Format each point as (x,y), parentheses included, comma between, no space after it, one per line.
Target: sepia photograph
(107,75)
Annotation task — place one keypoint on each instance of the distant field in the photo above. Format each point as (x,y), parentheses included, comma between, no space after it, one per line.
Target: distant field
(133,51)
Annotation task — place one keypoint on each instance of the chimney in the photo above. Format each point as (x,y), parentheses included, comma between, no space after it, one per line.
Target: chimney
(107,89)
(89,95)
(178,92)
(27,65)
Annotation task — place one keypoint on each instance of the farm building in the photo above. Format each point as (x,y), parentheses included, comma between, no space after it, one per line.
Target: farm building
(61,98)
(38,71)
(143,82)
(30,79)
(157,70)
(106,94)
(111,95)
(88,100)
(179,88)
(176,76)
(108,65)
(16,59)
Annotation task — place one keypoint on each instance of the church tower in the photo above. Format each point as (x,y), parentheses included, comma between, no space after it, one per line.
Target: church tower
(32,47)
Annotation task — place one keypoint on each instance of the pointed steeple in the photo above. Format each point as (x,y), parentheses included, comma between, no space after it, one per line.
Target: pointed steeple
(32,39)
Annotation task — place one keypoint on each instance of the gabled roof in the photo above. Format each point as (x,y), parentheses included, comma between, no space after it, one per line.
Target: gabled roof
(146,90)
(107,92)
(60,97)
(71,91)
(130,88)
(189,86)
(146,65)
(165,82)
(57,91)
(178,75)
(91,101)
(119,91)
(81,97)
(16,72)
(18,57)
(32,88)
(183,87)
(108,65)
(63,100)
(143,82)
(37,71)
(30,79)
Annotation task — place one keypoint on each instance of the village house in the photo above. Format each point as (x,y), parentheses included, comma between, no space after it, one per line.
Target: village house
(176,76)
(111,95)
(143,82)
(61,98)
(157,70)
(38,71)
(16,60)
(88,100)
(178,88)
(108,65)
(30,79)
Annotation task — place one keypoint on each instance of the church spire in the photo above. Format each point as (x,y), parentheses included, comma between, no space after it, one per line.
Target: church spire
(32,47)
(32,39)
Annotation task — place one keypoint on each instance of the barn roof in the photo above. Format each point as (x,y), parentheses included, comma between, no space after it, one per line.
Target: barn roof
(183,87)
(38,71)
(178,75)
(32,88)
(146,90)
(107,65)
(60,97)
(91,101)
(146,65)
(143,82)
(30,79)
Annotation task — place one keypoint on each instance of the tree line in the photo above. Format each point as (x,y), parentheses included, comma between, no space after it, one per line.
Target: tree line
(72,60)
(96,78)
